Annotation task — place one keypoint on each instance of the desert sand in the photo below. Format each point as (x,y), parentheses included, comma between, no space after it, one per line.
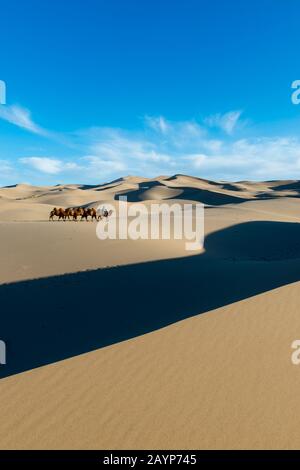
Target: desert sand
(123,344)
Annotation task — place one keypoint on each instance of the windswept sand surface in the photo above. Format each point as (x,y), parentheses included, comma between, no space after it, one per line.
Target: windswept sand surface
(122,344)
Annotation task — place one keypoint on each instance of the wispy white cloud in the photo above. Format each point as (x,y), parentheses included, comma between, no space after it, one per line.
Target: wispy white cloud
(226,122)
(256,158)
(124,149)
(166,147)
(21,117)
(100,166)
(51,166)
(8,172)
(83,166)
(5,167)
(158,124)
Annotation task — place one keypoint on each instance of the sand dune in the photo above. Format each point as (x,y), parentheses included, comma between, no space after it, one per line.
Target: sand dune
(138,189)
(139,344)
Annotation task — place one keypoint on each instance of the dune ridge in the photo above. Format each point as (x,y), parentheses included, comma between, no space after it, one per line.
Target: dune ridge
(35,201)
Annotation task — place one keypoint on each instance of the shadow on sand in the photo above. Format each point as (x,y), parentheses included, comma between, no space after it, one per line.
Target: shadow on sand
(47,320)
(187,193)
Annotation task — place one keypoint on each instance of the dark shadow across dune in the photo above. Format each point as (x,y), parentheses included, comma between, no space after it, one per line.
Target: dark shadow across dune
(205,196)
(294,186)
(51,319)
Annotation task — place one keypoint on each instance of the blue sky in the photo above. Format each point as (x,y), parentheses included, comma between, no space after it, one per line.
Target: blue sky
(99,89)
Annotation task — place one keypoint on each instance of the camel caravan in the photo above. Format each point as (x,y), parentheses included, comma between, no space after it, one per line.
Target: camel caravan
(74,213)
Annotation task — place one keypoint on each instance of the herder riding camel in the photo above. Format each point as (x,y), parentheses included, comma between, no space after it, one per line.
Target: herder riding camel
(104,213)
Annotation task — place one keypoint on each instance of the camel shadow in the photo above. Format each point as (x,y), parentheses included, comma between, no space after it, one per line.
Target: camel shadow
(47,320)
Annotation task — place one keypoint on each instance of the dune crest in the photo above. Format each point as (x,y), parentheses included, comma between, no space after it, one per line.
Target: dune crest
(33,202)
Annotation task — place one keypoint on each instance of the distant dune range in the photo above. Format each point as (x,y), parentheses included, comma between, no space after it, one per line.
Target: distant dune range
(141,344)
(26,202)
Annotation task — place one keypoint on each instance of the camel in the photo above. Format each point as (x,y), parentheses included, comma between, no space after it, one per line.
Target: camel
(84,214)
(89,212)
(60,213)
(77,212)
(69,212)
(93,213)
